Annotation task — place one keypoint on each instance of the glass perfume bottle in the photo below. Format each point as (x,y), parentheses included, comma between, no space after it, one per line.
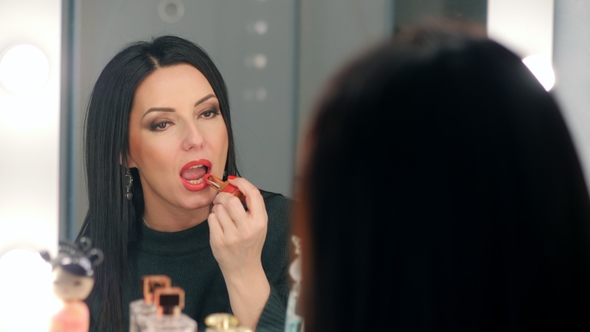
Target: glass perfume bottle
(140,309)
(169,302)
(293,321)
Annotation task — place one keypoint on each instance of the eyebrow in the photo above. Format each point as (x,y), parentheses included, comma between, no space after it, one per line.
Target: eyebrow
(168,109)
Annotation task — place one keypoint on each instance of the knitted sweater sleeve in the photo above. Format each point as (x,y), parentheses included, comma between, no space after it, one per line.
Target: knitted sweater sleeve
(275,260)
(273,315)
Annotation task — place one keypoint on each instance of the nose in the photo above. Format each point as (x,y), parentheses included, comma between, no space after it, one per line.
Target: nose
(193,138)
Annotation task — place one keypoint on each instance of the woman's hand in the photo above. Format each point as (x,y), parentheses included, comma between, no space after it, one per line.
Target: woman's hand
(237,237)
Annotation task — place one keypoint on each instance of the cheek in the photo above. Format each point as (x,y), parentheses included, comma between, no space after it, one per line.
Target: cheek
(223,145)
(150,154)
(134,149)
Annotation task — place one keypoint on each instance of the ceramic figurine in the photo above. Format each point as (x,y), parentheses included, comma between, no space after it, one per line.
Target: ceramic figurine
(73,281)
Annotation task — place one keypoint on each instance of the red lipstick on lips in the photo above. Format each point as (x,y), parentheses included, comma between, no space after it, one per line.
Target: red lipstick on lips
(224,187)
(193,174)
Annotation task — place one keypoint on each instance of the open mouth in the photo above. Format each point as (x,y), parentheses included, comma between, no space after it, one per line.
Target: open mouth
(193,174)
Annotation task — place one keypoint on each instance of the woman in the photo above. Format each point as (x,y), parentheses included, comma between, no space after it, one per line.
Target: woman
(466,207)
(158,122)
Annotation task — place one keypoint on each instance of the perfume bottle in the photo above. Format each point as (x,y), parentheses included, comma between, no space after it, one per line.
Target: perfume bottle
(224,322)
(220,322)
(293,321)
(169,302)
(140,309)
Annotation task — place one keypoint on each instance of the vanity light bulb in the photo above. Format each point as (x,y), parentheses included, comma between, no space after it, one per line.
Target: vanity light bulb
(25,292)
(24,69)
(540,66)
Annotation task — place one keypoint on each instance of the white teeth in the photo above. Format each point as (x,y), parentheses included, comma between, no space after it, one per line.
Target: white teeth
(197,166)
(195,181)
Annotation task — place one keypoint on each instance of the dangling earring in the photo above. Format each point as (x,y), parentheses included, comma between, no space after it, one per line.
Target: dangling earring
(128,184)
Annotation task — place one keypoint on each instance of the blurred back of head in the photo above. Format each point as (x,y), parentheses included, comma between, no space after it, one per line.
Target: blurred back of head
(441,191)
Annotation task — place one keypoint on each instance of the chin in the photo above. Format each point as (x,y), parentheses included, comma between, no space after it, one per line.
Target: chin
(203,200)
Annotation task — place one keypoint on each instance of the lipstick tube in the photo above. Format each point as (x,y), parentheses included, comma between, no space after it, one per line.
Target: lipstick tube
(225,187)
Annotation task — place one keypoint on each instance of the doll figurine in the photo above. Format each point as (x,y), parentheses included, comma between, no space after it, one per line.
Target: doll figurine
(73,281)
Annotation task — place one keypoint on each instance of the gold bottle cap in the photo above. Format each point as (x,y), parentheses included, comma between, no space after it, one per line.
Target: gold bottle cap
(221,321)
(229,329)
(240,329)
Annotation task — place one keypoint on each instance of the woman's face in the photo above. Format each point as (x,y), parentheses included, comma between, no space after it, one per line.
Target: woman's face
(176,136)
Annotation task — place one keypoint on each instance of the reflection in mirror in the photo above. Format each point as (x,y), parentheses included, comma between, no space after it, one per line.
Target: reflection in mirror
(411,11)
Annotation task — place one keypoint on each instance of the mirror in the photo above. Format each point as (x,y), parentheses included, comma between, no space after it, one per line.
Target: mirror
(274,55)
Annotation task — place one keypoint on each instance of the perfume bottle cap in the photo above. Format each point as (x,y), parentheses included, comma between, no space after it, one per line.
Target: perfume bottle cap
(221,321)
(237,329)
(169,301)
(150,283)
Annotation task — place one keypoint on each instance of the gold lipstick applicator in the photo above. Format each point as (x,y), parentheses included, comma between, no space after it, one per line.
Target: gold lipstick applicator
(224,187)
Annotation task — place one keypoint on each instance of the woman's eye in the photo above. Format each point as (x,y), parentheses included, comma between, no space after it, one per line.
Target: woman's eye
(209,114)
(160,126)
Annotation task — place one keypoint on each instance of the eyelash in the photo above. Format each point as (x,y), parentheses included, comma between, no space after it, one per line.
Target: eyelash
(212,113)
(156,126)
(208,114)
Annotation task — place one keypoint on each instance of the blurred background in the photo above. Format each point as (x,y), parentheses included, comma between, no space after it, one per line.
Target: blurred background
(275,56)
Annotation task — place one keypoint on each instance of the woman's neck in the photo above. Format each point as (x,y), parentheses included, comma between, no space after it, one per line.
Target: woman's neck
(174,221)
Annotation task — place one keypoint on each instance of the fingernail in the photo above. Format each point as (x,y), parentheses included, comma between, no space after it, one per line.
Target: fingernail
(231,177)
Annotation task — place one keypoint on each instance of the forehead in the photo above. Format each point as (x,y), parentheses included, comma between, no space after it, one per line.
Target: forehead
(179,78)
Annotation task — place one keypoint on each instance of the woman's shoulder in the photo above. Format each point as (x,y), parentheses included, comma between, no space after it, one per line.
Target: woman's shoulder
(276,202)
(276,246)
(278,209)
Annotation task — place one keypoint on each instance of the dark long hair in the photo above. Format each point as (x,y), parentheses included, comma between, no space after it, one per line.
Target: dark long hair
(441,191)
(112,220)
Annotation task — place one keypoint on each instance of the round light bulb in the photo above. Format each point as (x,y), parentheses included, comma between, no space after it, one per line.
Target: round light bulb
(24,69)
(540,66)
(25,292)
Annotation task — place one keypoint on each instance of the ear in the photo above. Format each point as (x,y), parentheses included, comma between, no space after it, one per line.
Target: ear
(130,162)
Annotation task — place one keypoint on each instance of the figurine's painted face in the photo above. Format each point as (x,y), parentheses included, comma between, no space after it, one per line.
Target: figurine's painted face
(71,287)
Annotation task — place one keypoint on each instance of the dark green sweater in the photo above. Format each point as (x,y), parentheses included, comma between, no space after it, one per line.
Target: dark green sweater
(186,257)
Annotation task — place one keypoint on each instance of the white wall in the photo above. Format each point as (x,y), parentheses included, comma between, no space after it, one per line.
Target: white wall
(524,26)
(29,132)
(571,57)
(29,161)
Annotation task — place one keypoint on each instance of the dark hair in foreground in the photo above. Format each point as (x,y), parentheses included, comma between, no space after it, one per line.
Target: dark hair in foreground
(112,220)
(465,204)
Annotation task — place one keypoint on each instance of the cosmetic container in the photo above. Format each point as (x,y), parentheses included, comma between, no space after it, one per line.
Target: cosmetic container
(224,186)
(220,322)
(293,321)
(140,309)
(169,302)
